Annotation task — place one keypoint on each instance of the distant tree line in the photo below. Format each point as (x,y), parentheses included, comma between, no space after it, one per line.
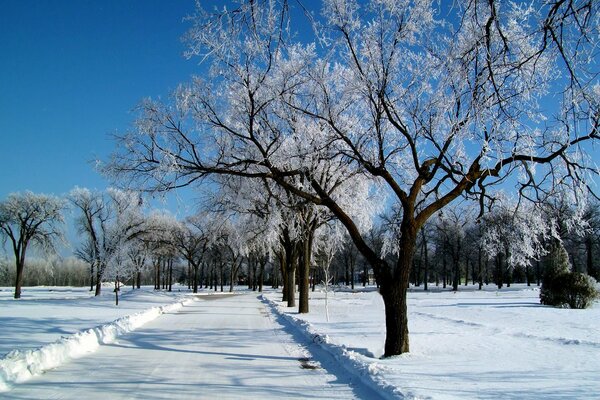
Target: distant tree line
(216,250)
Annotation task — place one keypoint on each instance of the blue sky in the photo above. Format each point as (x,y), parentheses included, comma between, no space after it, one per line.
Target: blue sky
(71,71)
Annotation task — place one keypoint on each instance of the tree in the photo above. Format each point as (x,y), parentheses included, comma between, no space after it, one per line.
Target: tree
(192,242)
(28,218)
(426,105)
(108,221)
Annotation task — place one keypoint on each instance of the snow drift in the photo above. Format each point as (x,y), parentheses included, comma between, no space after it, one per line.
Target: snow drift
(19,366)
(368,371)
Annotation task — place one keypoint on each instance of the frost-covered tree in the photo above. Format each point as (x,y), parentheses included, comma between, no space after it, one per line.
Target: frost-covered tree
(515,237)
(30,219)
(427,101)
(108,222)
(160,236)
(191,239)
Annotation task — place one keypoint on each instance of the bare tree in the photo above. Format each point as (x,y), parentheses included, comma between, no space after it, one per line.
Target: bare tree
(109,221)
(424,103)
(30,219)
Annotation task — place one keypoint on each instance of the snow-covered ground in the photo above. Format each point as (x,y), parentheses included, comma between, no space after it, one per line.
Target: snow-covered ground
(471,344)
(44,314)
(49,326)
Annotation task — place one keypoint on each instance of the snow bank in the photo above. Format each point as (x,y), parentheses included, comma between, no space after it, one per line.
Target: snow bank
(368,371)
(19,366)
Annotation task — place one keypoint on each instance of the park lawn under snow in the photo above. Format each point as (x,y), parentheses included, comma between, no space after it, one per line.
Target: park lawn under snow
(471,344)
(50,325)
(45,314)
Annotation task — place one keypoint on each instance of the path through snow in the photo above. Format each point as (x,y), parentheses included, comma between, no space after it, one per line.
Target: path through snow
(223,346)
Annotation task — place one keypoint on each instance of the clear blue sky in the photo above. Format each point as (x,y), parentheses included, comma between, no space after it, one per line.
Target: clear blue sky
(71,71)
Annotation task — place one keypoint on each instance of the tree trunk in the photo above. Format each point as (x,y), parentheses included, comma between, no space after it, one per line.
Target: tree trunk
(170,274)
(222,276)
(98,280)
(456,274)
(480,263)
(290,285)
(396,319)
(426,262)
(261,275)
(304,284)
(195,272)
(444,271)
(20,264)
(590,258)
(394,287)
(352,267)
(91,276)
(283,268)
(189,274)
(499,274)
(117,291)
(157,274)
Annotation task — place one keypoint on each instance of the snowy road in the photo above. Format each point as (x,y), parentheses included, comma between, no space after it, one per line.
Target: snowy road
(219,346)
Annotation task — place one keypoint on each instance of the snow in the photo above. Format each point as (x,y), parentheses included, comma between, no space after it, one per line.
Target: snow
(29,324)
(216,346)
(470,344)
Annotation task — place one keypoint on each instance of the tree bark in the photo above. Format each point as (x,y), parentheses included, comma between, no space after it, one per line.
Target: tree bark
(20,264)
(91,276)
(304,284)
(98,280)
(195,272)
(590,258)
(291,285)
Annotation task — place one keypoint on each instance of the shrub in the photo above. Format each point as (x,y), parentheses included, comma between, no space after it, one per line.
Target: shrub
(571,289)
(579,290)
(563,288)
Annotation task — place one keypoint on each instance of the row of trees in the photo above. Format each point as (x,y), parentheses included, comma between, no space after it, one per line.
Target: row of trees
(122,242)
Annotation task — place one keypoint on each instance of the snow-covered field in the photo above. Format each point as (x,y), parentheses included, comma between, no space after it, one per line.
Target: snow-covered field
(471,344)
(50,325)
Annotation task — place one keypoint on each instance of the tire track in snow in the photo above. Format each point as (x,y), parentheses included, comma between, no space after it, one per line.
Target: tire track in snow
(516,334)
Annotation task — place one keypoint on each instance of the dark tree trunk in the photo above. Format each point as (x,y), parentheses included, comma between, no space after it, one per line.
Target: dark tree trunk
(98,281)
(352,267)
(157,263)
(189,275)
(396,320)
(20,264)
(589,247)
(479,262)
(394,293)
(261,275)
(117,291)
(290,285)
(456,269)
(222,276)
(426,262)
(444,271)
(304,284)
(195,279)
(91,276)
(215,278)
(170,266)
(499,274)
(283,268)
